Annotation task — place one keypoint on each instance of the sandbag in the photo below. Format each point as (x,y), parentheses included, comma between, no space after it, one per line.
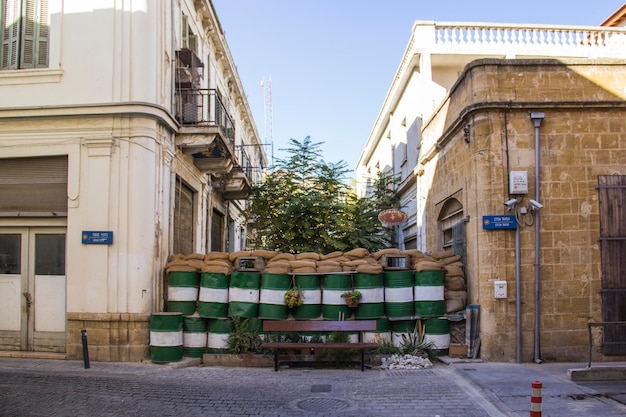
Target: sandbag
(450,259)
(305,270)
(216,255)
(284,256)
(331,255)
(455,283)
(302,264)
(193,256)
(307,255)
(241,254)
(216,269)
(388,251)
(277,270)
(266,254)
(357,253)
(454,271)
(369,269)
(327,269)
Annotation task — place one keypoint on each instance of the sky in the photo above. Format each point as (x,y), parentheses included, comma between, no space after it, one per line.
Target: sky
(332,62)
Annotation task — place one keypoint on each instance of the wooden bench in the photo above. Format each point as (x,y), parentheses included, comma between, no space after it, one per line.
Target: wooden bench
(287,326)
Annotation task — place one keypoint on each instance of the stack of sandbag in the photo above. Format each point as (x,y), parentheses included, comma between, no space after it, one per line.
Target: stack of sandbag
(217,263)
(331,262)
(279,264)
(455,287)
(427,262)
(361,261)
(305,263)
(415,254)
(185,263)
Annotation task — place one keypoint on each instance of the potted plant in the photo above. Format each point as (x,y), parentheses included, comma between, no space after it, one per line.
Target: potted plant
(353,298)
(293,297)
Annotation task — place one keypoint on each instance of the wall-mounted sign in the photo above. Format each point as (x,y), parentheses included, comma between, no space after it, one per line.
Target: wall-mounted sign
(499,222)
(97,237)
(392,217)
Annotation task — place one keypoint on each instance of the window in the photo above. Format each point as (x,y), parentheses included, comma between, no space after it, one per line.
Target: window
(25,31)
(188,37)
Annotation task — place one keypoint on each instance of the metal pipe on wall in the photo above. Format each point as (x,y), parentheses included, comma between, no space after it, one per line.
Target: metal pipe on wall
(537,118)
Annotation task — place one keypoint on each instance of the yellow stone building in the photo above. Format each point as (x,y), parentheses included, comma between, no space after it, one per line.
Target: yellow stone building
(510,145)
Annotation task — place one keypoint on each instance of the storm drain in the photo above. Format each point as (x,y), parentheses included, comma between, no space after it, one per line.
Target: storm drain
(322,404)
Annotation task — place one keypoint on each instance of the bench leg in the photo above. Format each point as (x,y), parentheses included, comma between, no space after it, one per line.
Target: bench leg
(362,360)
(276,360)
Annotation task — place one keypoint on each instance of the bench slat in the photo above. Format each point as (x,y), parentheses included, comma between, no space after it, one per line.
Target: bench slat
(287,345)
(318,325)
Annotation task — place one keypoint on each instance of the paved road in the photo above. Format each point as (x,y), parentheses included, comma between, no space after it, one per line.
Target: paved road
(47,388)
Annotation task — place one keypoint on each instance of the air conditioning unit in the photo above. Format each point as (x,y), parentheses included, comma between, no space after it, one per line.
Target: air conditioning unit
(190,113)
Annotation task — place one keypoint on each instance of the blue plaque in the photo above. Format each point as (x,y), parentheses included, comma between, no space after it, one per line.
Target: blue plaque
(97,237)
(499,222)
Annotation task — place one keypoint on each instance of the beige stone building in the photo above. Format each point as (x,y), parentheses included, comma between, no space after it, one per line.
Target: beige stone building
(480,115)
(125,137)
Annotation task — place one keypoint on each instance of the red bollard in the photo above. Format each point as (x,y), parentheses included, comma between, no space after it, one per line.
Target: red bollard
(535,399)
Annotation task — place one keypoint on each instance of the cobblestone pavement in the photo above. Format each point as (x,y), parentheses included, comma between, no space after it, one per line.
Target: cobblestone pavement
(50,388)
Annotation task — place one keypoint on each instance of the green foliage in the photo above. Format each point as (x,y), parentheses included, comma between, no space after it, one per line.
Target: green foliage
(353,296)
(304,205)
(336,356)
(385,346)
(243,338)
(414,343)
(293,297)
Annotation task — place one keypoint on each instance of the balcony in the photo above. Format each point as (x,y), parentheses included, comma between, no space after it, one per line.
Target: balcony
(207,132)
(236,185)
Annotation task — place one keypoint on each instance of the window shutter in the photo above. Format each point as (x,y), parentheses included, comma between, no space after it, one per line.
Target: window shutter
(185,32)
(34,53)
(10,34)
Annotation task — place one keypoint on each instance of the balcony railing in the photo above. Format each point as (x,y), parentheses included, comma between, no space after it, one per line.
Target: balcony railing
(545,40)
(199,107)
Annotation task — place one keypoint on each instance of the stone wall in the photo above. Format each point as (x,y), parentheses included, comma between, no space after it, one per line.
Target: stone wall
(112,337)
(583,135)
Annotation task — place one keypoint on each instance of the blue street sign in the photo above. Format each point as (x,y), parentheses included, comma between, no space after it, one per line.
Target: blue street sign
(499,222)
(97,237)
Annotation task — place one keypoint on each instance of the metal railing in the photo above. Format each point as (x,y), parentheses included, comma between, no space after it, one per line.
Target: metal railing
(550,40)
(601,323)
(203,107)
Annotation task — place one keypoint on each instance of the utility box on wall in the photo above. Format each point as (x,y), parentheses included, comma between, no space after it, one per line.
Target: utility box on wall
(518,182)
(499,289)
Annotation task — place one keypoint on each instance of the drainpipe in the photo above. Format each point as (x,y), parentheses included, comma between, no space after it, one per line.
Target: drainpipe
(536,118)
(518,291)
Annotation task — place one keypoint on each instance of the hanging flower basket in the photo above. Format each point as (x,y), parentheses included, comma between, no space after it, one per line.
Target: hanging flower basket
(353,298)
(294,297)
(392,217)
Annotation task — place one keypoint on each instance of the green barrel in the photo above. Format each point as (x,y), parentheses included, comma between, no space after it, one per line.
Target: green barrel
(334,306)
(182,292)
(428,293)
(272,297)
(372,305)
(213,297)
(401,328)
(194,336)
(312,307)
(437,333)
(383,331)
(218,333)
(166,337)
(243,294)
(399,294)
